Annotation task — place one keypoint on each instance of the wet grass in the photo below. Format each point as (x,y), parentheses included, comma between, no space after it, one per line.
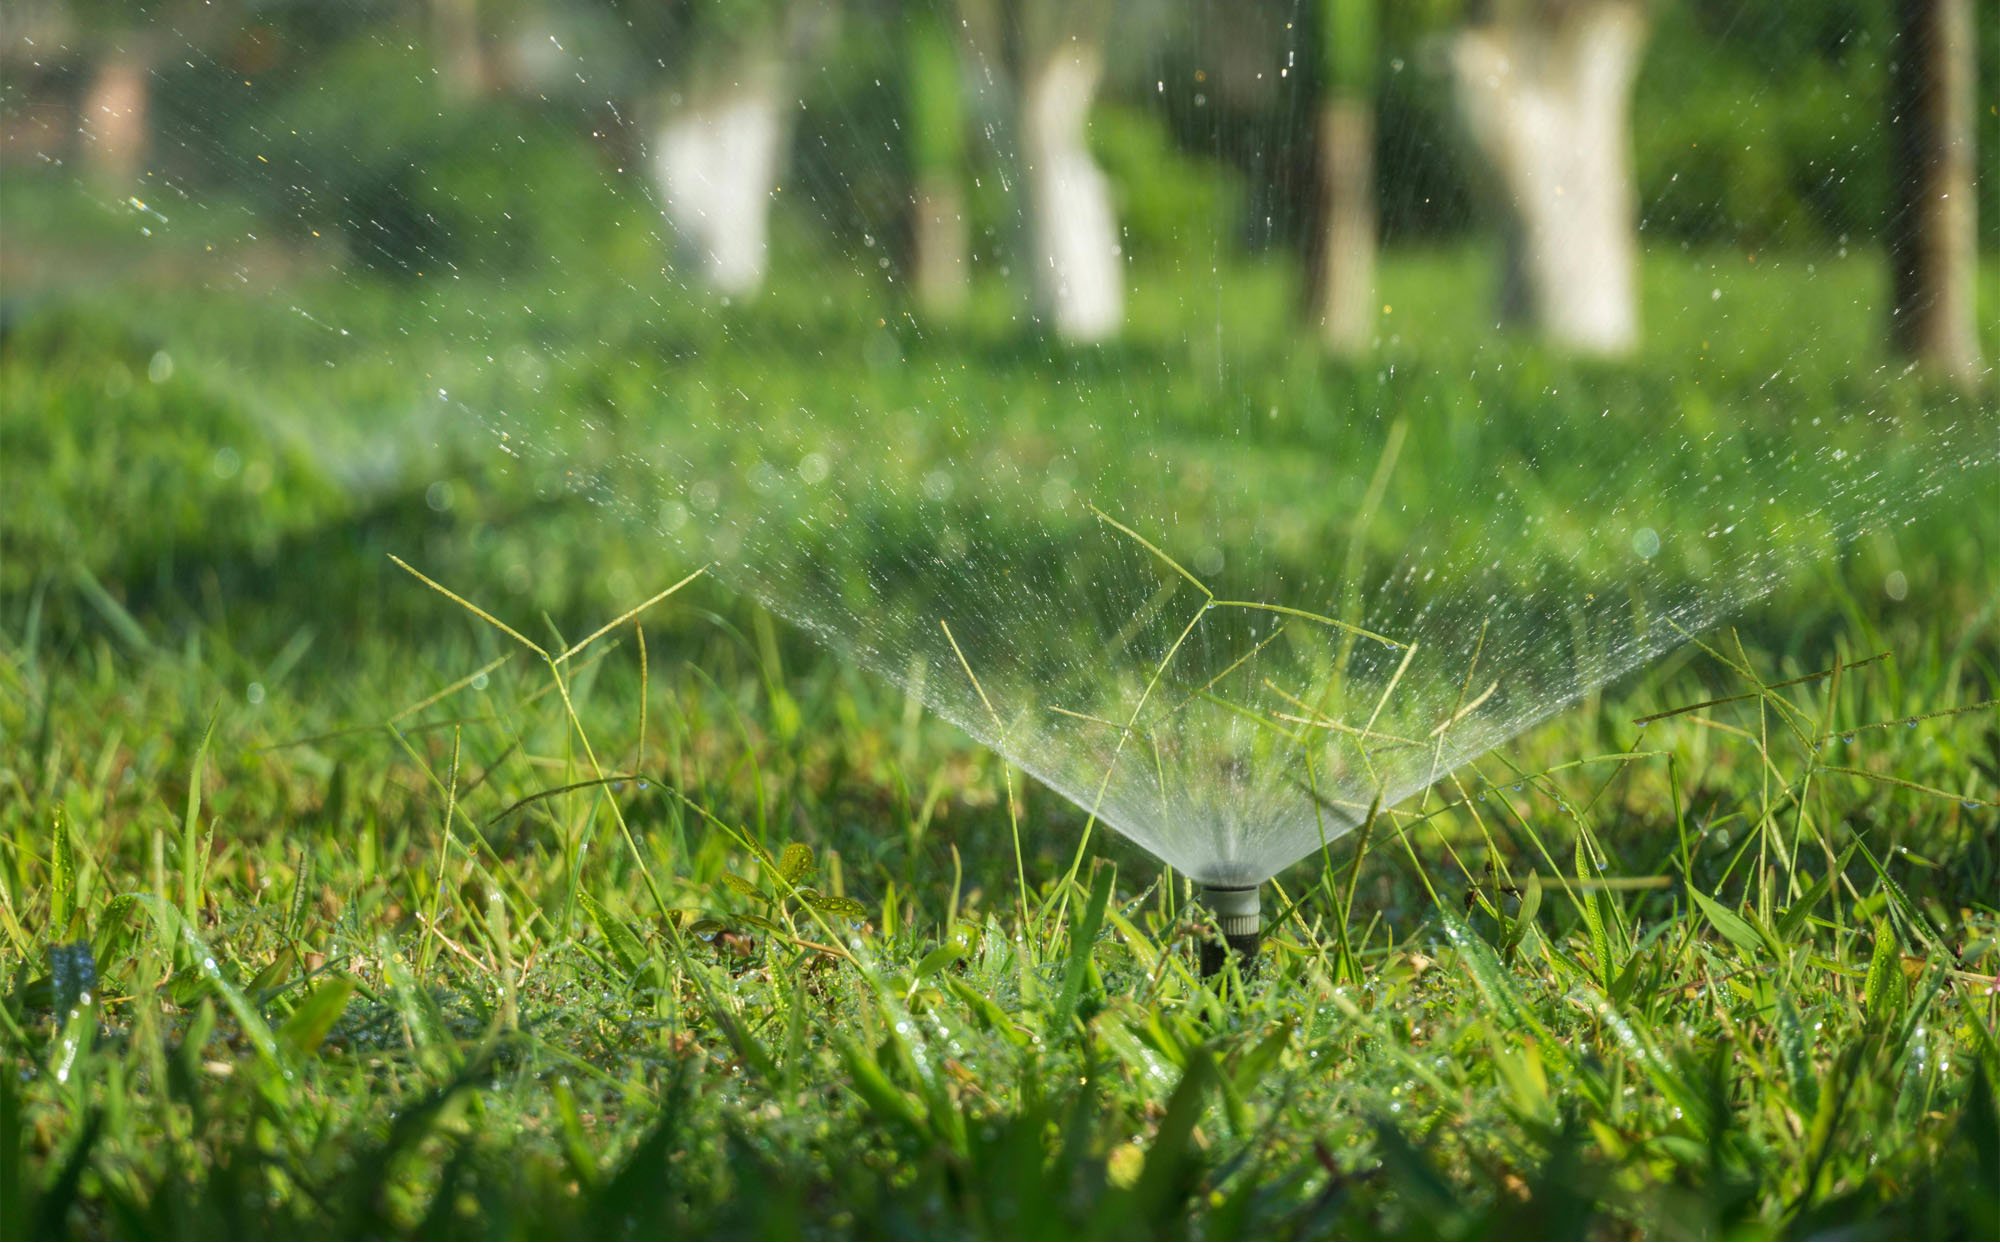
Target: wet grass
(330,908)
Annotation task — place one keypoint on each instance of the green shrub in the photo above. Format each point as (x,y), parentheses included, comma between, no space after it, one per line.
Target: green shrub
(369,145)
(1172,203)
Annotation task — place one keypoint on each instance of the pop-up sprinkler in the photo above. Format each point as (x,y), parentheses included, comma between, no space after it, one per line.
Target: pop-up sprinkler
(1239,917)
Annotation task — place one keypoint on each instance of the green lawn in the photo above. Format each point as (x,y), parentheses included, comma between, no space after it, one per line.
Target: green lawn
(398,928)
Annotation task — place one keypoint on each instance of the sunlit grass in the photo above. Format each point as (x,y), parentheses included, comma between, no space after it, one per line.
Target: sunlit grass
(512,931)
(1738,979)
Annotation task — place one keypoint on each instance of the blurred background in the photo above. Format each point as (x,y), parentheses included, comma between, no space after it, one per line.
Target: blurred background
(1388,310)
(1066,149)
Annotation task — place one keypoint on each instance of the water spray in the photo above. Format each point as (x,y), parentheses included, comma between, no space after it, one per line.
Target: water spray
(1124,592)
(1238,915)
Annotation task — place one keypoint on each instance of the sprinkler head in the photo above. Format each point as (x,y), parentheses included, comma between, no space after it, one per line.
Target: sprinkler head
(1238,916)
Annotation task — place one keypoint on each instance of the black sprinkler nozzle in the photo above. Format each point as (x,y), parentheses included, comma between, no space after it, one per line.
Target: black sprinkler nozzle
(1239,919)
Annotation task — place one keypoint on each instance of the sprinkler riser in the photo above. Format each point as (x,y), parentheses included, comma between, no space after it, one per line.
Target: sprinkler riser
(1238,912)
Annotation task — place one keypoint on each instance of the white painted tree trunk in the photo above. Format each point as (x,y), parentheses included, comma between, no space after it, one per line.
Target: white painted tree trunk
(1342,280)
(116,125)
(715,160)
(1079,270)
(1546,98)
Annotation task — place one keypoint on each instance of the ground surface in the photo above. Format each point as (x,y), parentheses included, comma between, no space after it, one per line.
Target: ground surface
(328,908)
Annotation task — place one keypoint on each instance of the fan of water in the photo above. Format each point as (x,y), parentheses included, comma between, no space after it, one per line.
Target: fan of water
(1232,413)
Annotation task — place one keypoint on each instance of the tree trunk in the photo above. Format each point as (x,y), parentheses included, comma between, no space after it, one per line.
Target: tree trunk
(460,48)
(1545,95)
(1073,232)
(116,127)
(936,135)
(1340,252)
(937,244)
(1933,232)
(1342,279)
(715,160)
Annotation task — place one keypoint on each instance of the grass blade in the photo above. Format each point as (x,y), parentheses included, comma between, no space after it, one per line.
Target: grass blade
(192,848)
(1083,938)
(302,1034)
(62,880)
